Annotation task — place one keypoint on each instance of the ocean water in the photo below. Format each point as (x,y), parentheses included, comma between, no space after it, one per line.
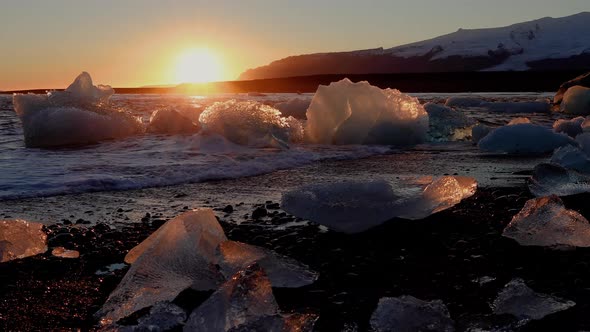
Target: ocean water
(156,160)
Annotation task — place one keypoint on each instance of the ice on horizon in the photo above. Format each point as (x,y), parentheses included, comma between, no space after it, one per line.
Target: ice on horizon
(77,116)
(546,222)
(355,206)
(20,239)
(359,113)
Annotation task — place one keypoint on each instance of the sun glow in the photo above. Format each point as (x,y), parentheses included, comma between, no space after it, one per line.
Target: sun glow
(198,65)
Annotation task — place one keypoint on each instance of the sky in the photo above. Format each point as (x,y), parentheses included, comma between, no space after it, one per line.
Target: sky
(45,44)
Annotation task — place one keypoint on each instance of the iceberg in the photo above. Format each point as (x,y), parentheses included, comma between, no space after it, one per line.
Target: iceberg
(20,239)
(518,300)
(245,297)
(354,206)
(571,127)
(359,113)
(576,100)
(407,313)
(296,107)
(192,251)
(447,124)
(250,123)
(179,255)
(523,139)
(168,121)
(546,222)
(79,115)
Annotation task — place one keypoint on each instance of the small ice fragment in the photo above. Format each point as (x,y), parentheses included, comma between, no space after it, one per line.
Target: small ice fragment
(359,113)
(571,157)
(168,121)
(518,300)
(576,100)
(571,127)
(179,255)
(110,269)
(20,239)
(282,271)
(447,124)
(480,131)
(523,139)
(546,222)
(244,298)
(65,253)
(483,280)
(407,313)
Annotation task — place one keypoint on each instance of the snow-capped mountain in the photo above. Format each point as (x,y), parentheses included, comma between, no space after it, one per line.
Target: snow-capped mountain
(547,43)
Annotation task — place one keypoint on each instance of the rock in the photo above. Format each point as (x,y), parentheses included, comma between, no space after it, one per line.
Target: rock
(228,209)
(518,300)
(407,314)
(65,253)
(546,222)
(20,239)
(259,212)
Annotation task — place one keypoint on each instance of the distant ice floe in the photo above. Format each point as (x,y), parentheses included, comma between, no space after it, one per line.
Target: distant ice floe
(171,122)
(353,207)
(576,100)
(546,222)
(447,124)
(359,113)
(518,300)
(79,115)
(250,123)
(499,107)
(407,313)
(191,251)
(20,239)
(524,139)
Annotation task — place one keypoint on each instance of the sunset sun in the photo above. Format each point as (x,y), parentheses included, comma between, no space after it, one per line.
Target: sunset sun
(198,65)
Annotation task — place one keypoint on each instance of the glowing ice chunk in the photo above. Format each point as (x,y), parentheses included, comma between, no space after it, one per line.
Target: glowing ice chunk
(168,121)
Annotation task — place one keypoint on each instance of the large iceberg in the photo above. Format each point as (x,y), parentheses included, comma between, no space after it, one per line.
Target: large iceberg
(79,115)
(523,139)
(354,206)
(576,100)
(407,313)
(546,222)
(20,239)
(359,113)
(250,123)
(518,300)
(446,124)
(192,250)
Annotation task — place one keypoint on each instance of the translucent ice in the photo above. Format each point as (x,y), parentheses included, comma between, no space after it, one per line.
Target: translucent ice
(282,271)
(249,123)
(576,100)
(546,222)
(168,121)
(553,179)
(296,107)
(78,115)
(244,298)
(480,131)
(447,124)
(353,206)
(571,127)
(523,139)
(518,300)
(179,255)
(359,113)
(20,239)
(407,313)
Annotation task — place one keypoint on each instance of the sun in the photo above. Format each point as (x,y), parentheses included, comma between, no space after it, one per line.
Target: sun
(198,65)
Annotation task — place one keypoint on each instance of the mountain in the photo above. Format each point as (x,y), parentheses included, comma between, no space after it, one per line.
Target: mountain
(543,44)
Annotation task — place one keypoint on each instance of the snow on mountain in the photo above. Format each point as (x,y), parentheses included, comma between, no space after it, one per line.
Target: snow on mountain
(546,43)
